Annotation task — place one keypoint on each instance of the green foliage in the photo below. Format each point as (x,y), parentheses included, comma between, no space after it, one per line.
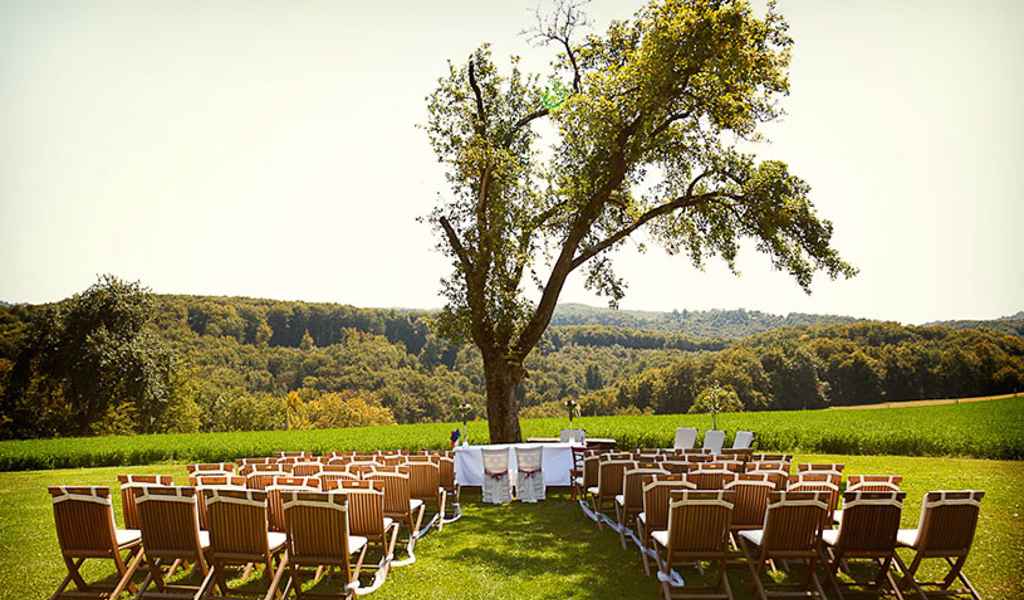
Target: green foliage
(993,429)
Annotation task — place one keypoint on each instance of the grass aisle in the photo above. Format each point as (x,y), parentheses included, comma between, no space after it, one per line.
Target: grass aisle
(549,550)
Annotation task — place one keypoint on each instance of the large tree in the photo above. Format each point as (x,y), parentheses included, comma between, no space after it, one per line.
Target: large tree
(651,121)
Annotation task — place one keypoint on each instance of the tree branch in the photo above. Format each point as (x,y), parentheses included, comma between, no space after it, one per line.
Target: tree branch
(479,98)
(543,112)
(456,244)
(686,201)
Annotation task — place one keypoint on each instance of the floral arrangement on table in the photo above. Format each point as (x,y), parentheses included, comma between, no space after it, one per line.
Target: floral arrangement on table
(465,412)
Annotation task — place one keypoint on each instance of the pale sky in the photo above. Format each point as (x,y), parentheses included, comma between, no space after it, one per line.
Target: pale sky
(269,149)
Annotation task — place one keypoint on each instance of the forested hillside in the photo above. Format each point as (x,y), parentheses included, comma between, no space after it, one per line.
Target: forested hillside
(188,363)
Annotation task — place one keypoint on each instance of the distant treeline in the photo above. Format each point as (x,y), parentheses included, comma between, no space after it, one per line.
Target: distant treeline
(200,363)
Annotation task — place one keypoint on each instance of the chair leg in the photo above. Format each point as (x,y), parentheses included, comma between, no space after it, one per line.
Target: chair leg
(755,570)
(725,580)
(643,551)
(73,575)
(620,517)
(963,579)
(126,578)
(442,500)
(909,573)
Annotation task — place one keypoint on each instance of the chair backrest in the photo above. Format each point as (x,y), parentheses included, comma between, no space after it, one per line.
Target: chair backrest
(261,479)
(714,440)
(591,466)
(424,480)
(291,454)
(529,459)
(365,457)
(260,460)
(698,523)
(677,466)
(306,469)
(365,507)
(873,483)
(820,467)
(826,485)
(495,460)
(696,458)
(948,522)
(223,467)
(752,493)
(656,495)
(237,522)
(736,466)
(778,477)
(362,468)
(711,479)
(577,436)
(393,460)
(205,479)
(397,492)
(870,523)
(609,477)
(633,481)
(793,523)
(318,529)
(170,521)
(771,457)
(446,473)
(84,517)
(331,474)
(767,465)
(607,456)
(129,485)
(743,440)
(422,458)
(275,499)
(686,437)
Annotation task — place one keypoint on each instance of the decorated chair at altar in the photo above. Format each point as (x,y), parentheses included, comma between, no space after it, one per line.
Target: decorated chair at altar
(529,474)
(497,485)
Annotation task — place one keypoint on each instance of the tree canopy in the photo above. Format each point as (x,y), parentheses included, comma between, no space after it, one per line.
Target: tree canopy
(650,134)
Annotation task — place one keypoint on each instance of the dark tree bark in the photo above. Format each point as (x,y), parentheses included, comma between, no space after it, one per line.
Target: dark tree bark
(502,406)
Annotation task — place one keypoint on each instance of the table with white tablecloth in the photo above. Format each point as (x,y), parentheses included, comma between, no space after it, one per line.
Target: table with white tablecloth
(556,463)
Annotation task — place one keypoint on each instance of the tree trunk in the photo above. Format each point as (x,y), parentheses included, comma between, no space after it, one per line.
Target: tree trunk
(502,378)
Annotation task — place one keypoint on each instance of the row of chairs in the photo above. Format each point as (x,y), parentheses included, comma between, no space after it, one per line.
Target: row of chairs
(279,520)
(718,515)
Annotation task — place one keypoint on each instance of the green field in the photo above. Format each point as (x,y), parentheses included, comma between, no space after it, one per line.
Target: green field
(548,550)
(981,430)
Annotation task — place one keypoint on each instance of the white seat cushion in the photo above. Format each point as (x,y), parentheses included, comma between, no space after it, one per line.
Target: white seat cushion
(356,543)
(592,491)
(753,535)
(578,481)
(275,540)
(660,537)
(837,516)
(127,536)
(415,504)
(642,517)
(830,536)
(204,539)
(620,500)
(387,522)
(907,537)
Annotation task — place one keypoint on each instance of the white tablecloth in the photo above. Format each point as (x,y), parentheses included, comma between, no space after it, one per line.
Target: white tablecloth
(556,463)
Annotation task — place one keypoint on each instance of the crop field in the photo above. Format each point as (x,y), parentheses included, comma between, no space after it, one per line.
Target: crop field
(981,430)
(548,550)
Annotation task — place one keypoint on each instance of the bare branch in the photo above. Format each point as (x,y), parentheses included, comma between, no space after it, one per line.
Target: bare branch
(537,114)
(558,26)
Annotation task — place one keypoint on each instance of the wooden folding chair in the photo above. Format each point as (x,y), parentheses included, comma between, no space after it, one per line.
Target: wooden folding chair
(259,480)
(170,532)
(318,536)
(868,483)
(129,484)
(778,477)
(868,531)
(752,492)
(711,479)
(239,536)
(698,530)
(275,502)
(84,517)
(203,482)
(820,467)
(400,505)
(767,465)
(366,519)
(630,502)
(655,514)
(587,477)
(819,481)
(425,485)
(393,460)
(335,473)
(792,532)
(609,484)
(452,490)
(362,468)
(306,469)
(735,466)
(945,530)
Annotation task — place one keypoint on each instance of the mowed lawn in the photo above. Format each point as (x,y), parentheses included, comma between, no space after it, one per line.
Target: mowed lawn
(548,550)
